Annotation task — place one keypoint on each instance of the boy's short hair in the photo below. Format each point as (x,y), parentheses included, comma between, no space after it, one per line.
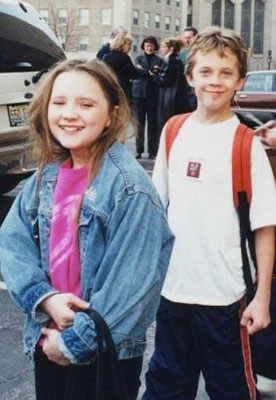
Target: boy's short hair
(214,38)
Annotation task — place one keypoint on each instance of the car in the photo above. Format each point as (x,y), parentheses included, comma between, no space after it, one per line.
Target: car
(255,103)
(28,49)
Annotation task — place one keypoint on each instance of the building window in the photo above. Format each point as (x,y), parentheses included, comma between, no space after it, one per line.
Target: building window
(252,25)
(83,43)
(84,16)
(135,43)
(216,13)
(177,3)
(147,20)
(106,16)
(44,15)
(135,17)
(246,22)
(177,25)
(157,21)
(62,16)
(167,23)
(157,1)
(258,41)
(190,13)
(168,2)
(229,14)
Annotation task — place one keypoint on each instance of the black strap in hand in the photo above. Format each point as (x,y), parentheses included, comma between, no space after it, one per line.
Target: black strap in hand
(106,352)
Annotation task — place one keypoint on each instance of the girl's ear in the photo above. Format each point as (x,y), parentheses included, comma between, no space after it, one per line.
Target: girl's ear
(108,122)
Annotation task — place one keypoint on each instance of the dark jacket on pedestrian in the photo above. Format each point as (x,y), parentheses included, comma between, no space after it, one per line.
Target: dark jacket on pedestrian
(140,85)
(103,51)
(124,68)
(173,90)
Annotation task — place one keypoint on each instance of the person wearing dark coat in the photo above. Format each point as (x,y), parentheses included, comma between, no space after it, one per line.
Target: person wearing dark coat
(121,63)
(174,88)
(145,97)
(105,48)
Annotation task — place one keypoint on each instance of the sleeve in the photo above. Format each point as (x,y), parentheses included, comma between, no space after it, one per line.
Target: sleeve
(103,51)
(160,172)
(263,203)
(20,259)
(131,71)
(132,271)
(168,76)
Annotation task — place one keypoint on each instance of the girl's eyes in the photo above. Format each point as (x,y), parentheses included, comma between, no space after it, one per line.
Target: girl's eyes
(86,105)
(57,103)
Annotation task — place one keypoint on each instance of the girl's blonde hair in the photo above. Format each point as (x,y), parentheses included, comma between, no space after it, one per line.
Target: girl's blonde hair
(48,147)
(173,42)
(215,38)
(119,41)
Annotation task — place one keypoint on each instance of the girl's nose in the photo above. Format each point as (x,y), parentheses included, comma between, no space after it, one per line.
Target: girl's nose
(69,112)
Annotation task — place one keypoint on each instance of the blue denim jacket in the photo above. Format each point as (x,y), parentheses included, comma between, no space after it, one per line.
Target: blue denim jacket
(125,246)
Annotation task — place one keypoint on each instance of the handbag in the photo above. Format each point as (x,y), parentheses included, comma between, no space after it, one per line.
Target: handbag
(106,352)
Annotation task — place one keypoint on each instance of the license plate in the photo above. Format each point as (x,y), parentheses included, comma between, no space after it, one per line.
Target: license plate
(18,114)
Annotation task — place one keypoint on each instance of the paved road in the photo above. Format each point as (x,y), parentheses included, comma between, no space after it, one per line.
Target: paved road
(16,376)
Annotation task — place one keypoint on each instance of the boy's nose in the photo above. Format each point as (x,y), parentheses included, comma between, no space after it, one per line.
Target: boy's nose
(215,79)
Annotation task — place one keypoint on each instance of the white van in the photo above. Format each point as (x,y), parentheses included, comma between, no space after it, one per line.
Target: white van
(27,49)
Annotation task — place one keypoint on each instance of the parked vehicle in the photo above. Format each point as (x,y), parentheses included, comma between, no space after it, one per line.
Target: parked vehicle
(256,101)
(28,49)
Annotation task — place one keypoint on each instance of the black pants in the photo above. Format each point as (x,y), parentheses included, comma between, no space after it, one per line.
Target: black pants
(78,382)
(143,108)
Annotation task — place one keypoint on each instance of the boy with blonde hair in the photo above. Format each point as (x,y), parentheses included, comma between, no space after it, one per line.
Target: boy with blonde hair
(203,322)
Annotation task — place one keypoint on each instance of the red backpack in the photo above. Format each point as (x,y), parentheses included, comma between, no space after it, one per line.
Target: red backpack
(241,177)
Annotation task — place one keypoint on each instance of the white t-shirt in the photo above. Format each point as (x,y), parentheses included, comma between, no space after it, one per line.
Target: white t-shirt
(196,189)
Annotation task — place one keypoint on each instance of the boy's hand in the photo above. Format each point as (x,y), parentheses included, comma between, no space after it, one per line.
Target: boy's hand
(267,133)
(256,316)
(61,308)
(50,347)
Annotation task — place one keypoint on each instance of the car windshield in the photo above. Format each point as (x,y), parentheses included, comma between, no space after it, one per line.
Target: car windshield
(259,83)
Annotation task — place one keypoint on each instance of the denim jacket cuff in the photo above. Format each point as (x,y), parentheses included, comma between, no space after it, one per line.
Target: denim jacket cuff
(38,314)
(64,349)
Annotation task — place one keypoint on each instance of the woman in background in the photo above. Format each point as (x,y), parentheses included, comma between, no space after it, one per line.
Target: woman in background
(173,85)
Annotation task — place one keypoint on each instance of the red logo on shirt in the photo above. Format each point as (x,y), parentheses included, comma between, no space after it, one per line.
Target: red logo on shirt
(193,169)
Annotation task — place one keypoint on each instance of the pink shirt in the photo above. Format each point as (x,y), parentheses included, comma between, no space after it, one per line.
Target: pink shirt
(65,271)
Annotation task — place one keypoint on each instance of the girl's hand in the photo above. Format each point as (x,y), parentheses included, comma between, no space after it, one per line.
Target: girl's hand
(50,347)
(61,308)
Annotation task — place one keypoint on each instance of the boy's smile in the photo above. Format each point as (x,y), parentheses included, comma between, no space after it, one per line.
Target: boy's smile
(215,80)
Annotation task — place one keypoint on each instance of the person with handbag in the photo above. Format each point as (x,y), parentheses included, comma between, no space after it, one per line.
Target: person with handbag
(87,237)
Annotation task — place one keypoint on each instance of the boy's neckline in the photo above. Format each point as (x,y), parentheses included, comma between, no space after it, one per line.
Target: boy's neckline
(203,121)
(211,120)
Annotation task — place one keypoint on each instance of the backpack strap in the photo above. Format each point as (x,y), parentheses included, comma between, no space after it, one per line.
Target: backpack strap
(242,193)
(172,129)
(241,163)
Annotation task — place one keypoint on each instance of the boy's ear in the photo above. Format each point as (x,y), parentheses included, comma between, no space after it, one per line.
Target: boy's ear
(190,80)
(240,83)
